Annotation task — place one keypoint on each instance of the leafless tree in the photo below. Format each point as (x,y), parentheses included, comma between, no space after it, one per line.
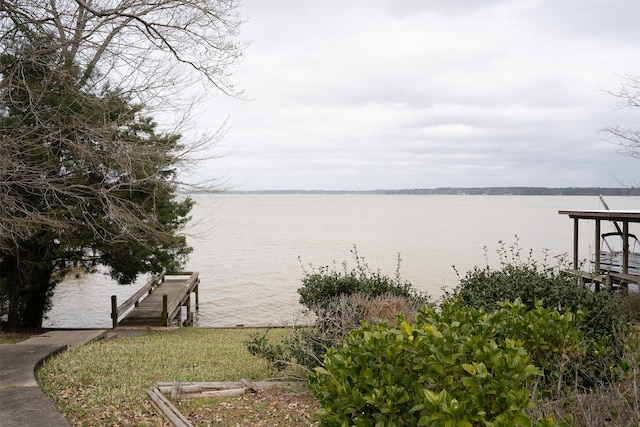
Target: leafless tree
(629,97)
(146,46)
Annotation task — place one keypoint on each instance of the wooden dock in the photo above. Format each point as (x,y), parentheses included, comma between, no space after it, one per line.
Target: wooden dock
(611,279)
(159,302)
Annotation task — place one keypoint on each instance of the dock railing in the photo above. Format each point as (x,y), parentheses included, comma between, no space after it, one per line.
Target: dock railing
(171,304)
(171,309)
(133,300)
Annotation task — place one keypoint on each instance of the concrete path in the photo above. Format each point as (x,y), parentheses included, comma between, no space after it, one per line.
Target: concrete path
(22,403)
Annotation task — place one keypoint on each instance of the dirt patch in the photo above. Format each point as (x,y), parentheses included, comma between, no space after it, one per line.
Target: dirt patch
(7,337)
(282,407)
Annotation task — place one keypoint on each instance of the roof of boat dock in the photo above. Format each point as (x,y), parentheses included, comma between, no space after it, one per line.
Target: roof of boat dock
(607,215)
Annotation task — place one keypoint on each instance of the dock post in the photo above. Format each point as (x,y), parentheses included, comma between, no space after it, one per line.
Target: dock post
(187,303)
(165,311)
(114,311)
(598,249)
(196,289)
(576,264)
(625,247)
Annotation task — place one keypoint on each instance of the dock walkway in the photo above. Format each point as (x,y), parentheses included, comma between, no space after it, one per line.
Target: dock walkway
(159,302)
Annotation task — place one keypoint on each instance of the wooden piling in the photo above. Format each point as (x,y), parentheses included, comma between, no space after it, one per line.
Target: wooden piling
(114,311)
(165,310)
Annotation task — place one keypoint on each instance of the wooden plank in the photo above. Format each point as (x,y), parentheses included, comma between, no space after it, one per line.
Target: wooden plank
(149,312)
(166,409)
(146,289)
(611,215)
(197,387)
(585,276)
(117,310)
(625,277)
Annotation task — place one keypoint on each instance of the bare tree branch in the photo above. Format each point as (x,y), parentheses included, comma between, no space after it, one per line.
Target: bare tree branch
(628,139)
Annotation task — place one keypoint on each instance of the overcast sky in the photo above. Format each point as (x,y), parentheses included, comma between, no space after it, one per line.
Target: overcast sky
(392,94)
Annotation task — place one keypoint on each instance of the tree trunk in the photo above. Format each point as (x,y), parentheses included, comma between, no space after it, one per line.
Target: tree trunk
(10,290)
(37,300)
(28,288)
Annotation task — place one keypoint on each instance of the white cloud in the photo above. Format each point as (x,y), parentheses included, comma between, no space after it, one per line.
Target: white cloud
(405,94)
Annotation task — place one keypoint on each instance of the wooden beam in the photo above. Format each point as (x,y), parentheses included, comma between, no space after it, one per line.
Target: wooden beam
(114,311)
(197,290)
(597,249)
(625,247)
(611,215)
(165,312)
(576,264)
(166,409)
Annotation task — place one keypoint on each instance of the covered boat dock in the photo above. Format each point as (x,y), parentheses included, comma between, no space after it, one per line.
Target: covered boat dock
(599,276)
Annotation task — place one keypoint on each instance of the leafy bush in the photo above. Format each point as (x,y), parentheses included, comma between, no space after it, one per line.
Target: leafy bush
(631,304)
(454,367)
(615,404)
(322,285)
(306,346)
(603,322)
(340,301)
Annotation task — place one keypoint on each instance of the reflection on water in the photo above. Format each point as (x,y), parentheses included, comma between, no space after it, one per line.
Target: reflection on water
(84,300)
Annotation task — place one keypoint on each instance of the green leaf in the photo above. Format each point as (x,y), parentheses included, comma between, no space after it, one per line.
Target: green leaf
(522,420)
(438,368)
(406,327)
(322,370)
(469,381)
(432,397)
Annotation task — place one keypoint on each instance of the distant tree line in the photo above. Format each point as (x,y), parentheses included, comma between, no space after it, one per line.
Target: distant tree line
(526,191)
(474,191)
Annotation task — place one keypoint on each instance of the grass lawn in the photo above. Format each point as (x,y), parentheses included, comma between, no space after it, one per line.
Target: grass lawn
(105,382)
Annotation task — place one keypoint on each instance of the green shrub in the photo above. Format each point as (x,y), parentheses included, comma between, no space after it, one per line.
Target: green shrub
(339,301)
(603,322)
(321,285)
(454,367)
(631,304)
(615,404)
(630,371)
(306,346)
(273,351)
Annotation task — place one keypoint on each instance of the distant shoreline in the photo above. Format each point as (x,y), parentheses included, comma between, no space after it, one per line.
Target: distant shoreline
(471,191)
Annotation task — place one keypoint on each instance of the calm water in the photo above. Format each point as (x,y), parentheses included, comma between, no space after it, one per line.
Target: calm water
(250,250)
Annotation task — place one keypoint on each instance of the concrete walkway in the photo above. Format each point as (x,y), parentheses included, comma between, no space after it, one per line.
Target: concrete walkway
(22,403)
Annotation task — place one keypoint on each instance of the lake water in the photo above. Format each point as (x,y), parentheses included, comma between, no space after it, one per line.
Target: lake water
(250,250)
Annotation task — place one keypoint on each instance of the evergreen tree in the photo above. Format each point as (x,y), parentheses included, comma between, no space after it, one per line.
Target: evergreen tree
(85,178)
